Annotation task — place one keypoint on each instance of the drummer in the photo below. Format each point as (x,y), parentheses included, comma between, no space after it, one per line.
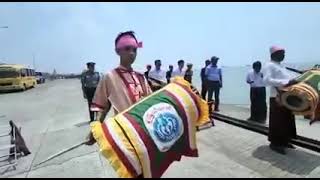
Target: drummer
(282,125)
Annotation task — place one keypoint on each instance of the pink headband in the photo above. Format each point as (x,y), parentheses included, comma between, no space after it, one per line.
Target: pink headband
(274,49)
(128,40)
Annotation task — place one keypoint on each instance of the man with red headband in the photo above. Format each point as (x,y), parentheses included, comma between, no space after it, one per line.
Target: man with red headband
(122,86)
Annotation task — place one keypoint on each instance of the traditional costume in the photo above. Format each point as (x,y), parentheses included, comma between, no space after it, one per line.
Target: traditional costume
(258,107)
(282,125)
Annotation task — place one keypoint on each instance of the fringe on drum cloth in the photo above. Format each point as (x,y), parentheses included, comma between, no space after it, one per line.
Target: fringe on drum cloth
(282,126)
(20,143)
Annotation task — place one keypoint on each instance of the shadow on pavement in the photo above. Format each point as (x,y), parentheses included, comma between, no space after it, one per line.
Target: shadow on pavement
(82,124)
(295,161)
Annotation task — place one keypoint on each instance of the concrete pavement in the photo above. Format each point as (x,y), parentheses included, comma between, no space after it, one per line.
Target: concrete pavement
(53,116)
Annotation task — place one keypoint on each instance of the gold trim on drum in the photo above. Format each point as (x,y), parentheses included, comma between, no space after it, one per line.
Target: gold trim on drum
(308,95)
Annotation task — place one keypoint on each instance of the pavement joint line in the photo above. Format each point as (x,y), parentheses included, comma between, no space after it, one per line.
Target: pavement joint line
(41,144)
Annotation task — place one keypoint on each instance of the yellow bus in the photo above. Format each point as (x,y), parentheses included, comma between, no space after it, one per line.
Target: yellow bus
(16,77)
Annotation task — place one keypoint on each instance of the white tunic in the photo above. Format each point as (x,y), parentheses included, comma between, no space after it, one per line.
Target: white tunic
(177,72)
(275,75)
(256,79)
(158,75)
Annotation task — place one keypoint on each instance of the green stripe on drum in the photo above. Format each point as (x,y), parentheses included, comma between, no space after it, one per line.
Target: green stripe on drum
(160,160)
(304,76)
(314,82)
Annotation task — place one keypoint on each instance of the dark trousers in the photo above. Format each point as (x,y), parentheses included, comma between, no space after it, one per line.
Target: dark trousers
(204,90)
(282,126)
(90,94)
(258,104)
(214,87)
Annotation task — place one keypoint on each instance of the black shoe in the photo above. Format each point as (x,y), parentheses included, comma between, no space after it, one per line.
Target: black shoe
(290,146)
(278,149)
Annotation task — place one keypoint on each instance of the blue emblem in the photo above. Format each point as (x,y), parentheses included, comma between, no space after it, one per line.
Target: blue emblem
(166,127)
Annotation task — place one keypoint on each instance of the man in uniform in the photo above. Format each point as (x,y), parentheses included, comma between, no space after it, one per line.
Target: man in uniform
(214,77)
(169,73)
(89,81)
(204,81)
(189,73)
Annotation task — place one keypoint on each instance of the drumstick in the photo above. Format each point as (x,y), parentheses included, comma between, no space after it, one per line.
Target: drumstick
(295,70)
(62,152)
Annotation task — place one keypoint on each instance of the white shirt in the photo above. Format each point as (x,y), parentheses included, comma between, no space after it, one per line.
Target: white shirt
(256,78)
(158,75)
(177,72)
(275,75)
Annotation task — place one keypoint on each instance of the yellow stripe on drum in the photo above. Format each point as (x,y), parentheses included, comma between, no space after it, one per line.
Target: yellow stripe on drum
(190,108)
(123,143)
(107,150)
(138,144)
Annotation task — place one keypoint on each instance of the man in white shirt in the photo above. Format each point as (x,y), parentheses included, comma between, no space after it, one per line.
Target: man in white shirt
(282,125)
(157,74)
(179,71)
(257,94)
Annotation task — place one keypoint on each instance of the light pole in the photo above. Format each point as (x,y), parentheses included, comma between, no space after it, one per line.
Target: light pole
(34,61)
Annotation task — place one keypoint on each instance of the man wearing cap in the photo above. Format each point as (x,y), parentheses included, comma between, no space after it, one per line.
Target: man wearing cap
(89,82)
(214,77)
(282,125)
(189,73)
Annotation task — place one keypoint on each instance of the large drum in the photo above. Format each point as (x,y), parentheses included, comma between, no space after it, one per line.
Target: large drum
(303,98)
(150,135)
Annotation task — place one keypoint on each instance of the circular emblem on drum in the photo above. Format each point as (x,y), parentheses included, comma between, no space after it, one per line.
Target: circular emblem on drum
(166,127)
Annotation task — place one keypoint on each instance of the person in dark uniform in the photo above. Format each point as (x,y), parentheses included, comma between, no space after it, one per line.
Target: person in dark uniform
(189,73)
(146,74)
(89,81)
(204,81)
(169,73)
(282,127)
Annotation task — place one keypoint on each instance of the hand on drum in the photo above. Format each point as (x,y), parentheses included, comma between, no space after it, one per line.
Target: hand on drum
(292,82)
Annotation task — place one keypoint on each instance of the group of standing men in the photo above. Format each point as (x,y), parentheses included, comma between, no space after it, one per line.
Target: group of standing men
(104,94)
(157,77)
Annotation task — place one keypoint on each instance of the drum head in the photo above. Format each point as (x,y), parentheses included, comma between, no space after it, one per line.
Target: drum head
(294,102)
(300,98)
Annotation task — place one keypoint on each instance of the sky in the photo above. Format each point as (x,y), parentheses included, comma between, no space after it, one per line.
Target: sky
(64,36)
